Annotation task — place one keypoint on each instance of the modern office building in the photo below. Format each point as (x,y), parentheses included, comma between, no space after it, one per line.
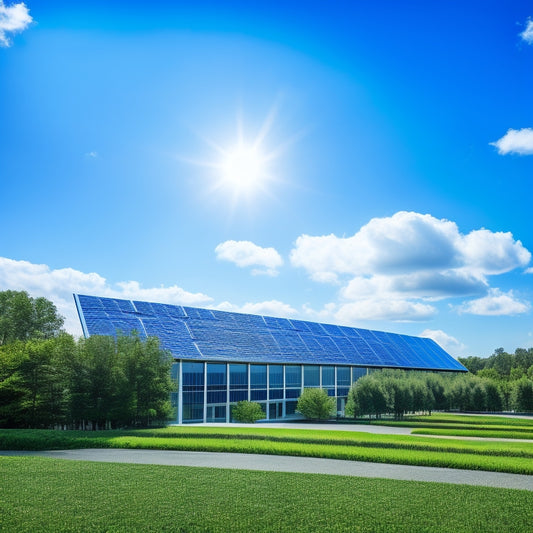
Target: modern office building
(222,358)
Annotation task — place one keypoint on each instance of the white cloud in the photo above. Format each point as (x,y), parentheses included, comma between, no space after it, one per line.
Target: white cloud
(91,155)
(449,343)
(13,19)
(394,266)
(267,308)
(378,309)
(246,254)
(427,285)
(492,253)
(496,303)
(527,34)
(58,285)
(515,141)
(405,243)
(528,270)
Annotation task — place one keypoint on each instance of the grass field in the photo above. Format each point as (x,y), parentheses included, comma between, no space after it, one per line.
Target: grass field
(468,426)
(513,457)
(39,494)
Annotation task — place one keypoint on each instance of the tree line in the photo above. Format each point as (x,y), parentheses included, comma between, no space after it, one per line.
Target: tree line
(49,379)
(399,392)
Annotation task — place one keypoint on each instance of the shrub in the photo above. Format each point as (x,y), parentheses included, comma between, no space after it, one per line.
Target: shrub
(316,404)
(247,412)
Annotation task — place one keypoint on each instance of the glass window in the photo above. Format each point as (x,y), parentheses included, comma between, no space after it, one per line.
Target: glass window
(328,376)
(258,394)
(311,376)
(275,376)
(292,393)
(193,406)
(343,376)
(293,376)
(218,396)
(258,376)
(290,407)
(358,372)
(238,395)
(216,376)
(238,377)
(276,394)
(192,376)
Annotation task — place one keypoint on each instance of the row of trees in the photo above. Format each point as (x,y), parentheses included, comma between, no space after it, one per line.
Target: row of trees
(48,379)
(95,383)
(399,392)
(502,366)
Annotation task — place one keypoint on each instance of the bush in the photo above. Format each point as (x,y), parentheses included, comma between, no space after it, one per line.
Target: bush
(316,404)
(247,412)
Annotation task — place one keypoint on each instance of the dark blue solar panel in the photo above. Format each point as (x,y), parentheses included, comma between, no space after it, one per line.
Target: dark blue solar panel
(204,334)
(278,323)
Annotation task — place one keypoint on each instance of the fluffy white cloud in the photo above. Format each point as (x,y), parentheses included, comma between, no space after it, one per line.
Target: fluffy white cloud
(515,141)
(393,266)
(496,303)
(528,270)
(406,243)
(385,245)
(380,309)
(268,308)
(427,285)
(527,34)
(58,285)
(449,343)
(246,254)
(13,19)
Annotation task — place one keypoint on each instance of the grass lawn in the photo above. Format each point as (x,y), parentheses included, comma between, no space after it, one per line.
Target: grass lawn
(41,494)
(467,426)
(514,457)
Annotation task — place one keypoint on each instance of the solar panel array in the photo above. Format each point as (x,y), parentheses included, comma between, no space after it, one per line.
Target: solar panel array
(209,335)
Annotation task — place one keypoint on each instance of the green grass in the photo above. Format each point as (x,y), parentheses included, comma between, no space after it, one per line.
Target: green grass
(467,426)
(40,494)
(514,457)
(486,433)
(457,420)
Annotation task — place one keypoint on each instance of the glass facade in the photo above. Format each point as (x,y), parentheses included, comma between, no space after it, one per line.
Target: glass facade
(208,390)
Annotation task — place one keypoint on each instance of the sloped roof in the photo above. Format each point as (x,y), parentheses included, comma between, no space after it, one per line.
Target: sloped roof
(209,335)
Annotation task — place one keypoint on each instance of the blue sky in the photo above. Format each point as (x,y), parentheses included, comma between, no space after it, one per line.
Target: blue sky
(391,146)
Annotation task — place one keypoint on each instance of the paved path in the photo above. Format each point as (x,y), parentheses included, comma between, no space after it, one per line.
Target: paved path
(277,463)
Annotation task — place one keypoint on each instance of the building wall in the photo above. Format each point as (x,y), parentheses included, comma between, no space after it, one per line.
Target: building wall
(207,391)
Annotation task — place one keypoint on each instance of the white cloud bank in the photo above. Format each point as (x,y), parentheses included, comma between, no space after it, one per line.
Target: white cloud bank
(496,303)
(527,34)
(267,308)
(246,254)
(449,343)
(58,285)
(393,266)
(515,142)
(13,19)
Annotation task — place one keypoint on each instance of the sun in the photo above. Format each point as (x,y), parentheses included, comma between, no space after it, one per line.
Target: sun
(243,168)
(247,170)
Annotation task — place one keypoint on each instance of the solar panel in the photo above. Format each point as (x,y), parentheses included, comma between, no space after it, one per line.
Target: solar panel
(202,334)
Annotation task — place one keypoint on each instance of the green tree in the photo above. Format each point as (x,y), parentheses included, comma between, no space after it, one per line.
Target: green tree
(315,404)
(352,408)
(23,317)
(493,396)
(522,395)
(247,412)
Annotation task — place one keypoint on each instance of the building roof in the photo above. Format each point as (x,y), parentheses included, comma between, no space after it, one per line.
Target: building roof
(209,335)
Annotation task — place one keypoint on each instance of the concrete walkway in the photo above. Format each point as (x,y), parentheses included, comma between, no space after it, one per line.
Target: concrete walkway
(277,463)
